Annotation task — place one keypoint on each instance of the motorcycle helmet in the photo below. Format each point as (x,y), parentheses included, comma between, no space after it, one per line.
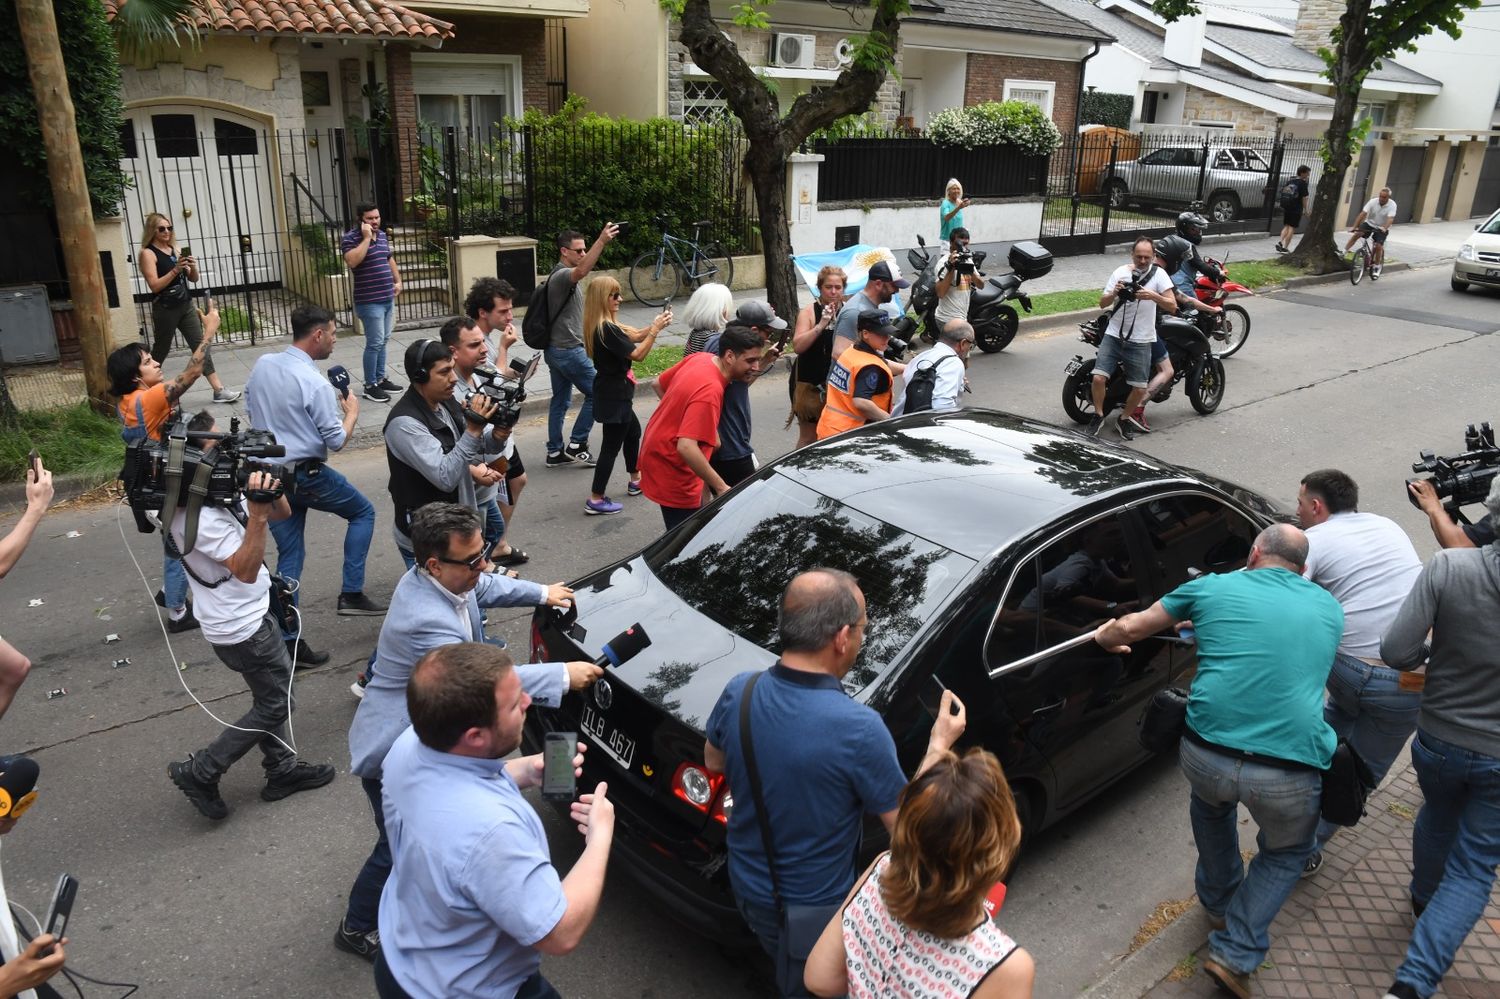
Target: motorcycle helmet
(1190,226)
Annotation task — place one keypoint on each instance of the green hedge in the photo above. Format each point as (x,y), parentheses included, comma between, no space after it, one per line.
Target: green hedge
(94,82)
(1100,108)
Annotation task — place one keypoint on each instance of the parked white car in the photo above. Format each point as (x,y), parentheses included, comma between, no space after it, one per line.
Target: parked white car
(1478,260)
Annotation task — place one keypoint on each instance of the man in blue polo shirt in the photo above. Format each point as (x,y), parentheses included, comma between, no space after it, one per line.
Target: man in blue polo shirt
(1255,734)
(377,283)
(825,760)
(473,900)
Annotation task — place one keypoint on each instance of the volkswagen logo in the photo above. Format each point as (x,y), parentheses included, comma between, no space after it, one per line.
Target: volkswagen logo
(604,695)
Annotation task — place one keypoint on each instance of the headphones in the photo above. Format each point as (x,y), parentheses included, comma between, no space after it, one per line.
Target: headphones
(417,362)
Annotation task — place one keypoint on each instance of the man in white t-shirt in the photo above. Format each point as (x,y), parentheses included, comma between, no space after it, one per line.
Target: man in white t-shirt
(232,593)
(955,288)
(1375,220)
(1369,565)
(949,360)
(1131,332)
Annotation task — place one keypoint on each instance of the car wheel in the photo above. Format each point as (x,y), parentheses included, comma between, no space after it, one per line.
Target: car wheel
(1223,207)
(1458,285)
(1117,193)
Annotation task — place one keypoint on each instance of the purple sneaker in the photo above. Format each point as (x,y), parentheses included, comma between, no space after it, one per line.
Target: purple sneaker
(597,508)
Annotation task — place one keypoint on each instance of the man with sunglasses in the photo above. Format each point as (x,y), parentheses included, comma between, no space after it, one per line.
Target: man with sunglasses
(436,603)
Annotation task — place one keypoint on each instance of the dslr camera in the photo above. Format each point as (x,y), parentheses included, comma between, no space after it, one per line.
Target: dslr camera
(507,393)
(1128,293)
(1465,478)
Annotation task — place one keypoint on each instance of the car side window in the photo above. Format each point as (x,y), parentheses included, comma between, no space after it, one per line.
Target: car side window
(1160,157)
(1071,586)
(1226,161)
(1195,532)
(1189,157)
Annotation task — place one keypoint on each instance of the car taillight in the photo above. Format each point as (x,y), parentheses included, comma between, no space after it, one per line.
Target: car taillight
(704,790)
(538,647)
(723,807)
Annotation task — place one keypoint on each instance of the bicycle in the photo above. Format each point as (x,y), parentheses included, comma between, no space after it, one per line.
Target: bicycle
(657,275)
(1364,251)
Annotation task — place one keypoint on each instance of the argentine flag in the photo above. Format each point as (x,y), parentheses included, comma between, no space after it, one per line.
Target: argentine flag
(856,261)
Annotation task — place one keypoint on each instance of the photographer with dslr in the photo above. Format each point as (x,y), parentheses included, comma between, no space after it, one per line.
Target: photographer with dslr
(432,442)
(1135,291)
(491,304)
(957,278)
(232,589)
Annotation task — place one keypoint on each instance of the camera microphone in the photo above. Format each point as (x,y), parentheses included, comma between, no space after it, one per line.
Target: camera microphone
(624,646)
(18,776)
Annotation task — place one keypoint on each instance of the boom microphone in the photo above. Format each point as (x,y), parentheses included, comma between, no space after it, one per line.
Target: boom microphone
(624,646)
(18,776)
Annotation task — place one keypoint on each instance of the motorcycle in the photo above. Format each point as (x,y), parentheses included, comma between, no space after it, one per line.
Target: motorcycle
(1192,359)
(1231,328)
(995,323)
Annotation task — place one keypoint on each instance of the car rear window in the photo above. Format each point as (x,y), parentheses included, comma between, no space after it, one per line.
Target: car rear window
(734,564)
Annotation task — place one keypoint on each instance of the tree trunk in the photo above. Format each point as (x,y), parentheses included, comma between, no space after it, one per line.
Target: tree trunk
(767,168)
(70,192)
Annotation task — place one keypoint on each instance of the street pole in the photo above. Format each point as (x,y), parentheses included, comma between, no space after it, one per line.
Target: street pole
(70,193)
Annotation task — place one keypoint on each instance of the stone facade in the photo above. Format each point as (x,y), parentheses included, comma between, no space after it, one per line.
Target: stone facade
(1315,20)
(986,74)
(1201,106)
(281,102)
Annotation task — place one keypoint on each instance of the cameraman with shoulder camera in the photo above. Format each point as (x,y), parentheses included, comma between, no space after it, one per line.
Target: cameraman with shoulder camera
(491,304)
(1448,532)
(226,570)
(1135,291)
(470,349)
(957,278)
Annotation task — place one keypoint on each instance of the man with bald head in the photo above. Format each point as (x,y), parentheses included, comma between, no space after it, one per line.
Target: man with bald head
(824,760)
(1255,733)
(949,360)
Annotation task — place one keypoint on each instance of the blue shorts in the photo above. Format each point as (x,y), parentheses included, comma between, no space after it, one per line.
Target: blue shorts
(1135,355)
(1158,352)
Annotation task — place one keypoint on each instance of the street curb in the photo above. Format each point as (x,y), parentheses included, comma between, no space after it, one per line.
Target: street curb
(64,487)
(1135,975)
(1315,279)
(1031,323)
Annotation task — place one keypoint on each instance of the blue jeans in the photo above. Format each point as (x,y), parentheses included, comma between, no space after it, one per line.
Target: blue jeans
(376,320)
(1284,804)
(1367,706)
(174,583)
(332,493)
(569,367)
(1183,281)
(364,898)
(494,523)
(1455,849)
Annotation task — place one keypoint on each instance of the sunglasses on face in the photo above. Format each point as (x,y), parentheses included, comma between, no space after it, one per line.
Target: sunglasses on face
(163,228)
(615,296)
(472,564)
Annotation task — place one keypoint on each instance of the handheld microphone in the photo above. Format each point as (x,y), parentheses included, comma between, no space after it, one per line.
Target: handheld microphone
(339,376)
(18,776)
(624,646)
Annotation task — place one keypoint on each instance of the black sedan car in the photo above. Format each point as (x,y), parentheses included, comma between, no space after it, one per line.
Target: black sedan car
(988,547)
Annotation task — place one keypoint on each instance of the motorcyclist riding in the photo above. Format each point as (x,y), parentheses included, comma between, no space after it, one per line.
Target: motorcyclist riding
(1179,258)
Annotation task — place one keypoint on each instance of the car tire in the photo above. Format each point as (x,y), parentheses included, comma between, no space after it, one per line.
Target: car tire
(1458,285)
(1117,193)
(1223,207)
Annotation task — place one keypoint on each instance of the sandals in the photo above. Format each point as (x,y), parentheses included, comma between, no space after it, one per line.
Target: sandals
(513,557)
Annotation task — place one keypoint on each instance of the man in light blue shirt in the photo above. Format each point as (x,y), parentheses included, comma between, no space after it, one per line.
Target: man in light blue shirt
(473,900)
(290,397)
(437,603)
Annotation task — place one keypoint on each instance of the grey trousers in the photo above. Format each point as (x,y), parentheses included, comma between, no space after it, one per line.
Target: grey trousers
(262,662)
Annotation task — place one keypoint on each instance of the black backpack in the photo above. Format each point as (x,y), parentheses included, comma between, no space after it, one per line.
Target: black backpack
(1290,195)
(919,387)
(536,327)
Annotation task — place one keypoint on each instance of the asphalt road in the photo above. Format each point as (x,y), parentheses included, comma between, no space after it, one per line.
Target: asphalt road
(1359,378)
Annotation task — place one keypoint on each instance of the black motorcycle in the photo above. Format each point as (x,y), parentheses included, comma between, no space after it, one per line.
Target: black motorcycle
(995,323)
(1188,349)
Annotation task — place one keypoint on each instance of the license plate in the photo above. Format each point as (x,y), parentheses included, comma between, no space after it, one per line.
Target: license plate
(616,745)
(1072,366)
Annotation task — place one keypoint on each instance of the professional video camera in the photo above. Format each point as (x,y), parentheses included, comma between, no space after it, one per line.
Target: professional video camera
(963,263)
(508,393)
(1464,478)
(177,471)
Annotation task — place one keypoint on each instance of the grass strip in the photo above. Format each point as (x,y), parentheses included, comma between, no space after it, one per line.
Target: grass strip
(72,440)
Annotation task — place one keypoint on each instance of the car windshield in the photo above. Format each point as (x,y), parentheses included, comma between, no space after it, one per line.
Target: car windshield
(734,564)
(1492,227)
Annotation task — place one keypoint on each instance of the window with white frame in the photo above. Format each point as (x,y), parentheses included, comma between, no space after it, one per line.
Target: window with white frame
(1038,92)
(469,92)
(703,101)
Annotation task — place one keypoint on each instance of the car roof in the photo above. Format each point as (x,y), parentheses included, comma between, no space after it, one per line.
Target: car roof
(971,480)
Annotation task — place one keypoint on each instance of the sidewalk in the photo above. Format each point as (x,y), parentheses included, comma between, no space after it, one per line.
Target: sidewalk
(1412,244)
(1344,931)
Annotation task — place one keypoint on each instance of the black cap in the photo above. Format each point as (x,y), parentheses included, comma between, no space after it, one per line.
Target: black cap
(876,322)
(882,272)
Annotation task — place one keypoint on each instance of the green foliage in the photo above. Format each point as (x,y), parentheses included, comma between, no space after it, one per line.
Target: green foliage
(658,360)
(94,83)
(146,30)
(996,123)
(752,14)
(233,319)
(72,440)
(1100,108)
(596,169)
(853,126)
(873,53)
(321,252)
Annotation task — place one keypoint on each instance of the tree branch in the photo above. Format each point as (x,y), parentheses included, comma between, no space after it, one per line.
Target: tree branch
(747,96)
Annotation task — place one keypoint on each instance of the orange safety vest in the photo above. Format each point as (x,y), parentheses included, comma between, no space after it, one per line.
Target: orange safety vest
(839,413)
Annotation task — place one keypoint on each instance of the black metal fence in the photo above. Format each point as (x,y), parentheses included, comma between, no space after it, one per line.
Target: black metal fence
(868,169)
(1110,187)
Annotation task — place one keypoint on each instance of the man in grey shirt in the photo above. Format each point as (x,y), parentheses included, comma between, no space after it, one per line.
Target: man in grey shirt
(567,362)
(878,290)
(1455,843)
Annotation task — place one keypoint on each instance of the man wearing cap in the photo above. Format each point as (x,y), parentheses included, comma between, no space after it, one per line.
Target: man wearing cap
(860,381)
(734,458)
(878,290)
(948,359)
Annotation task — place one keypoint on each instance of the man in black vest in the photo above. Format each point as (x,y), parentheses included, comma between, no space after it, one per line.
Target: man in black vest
(431,443)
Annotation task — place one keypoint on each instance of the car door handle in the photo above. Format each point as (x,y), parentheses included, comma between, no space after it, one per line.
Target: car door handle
(1047,709)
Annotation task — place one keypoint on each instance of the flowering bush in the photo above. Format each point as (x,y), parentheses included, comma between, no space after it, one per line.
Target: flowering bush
(996,123)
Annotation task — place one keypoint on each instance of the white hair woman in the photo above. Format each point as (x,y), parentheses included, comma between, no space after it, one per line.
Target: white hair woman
(706,313)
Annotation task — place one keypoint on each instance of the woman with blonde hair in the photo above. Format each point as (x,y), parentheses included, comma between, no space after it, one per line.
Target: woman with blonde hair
(952,209)
(812,339)
(172,309)
(614,348)
(705,314)
(916,925)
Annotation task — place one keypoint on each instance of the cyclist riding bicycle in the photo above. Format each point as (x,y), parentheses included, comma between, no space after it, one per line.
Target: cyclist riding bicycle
(1375,221)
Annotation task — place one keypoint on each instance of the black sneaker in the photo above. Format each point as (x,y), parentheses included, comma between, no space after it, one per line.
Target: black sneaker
(580,454)
(365,945)
(1280,248)
(558,459)
(1313,864)
(305,655)
(376,394)
(1125,430)
(359,605)
(302,777)
(185,623)
(203,794)
(1095,425)
(386,385)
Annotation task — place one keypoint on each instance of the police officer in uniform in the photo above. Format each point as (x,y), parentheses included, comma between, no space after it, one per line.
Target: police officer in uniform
(860,381)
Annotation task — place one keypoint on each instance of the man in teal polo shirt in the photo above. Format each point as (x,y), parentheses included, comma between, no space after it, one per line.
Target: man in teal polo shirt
(1266,640)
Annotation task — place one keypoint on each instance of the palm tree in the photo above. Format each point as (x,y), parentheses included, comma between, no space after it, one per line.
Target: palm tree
(141,26)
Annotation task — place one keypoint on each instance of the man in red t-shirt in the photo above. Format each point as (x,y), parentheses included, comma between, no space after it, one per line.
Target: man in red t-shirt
(684,430)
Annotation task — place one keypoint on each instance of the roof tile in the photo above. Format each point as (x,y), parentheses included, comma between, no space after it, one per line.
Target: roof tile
(338,18)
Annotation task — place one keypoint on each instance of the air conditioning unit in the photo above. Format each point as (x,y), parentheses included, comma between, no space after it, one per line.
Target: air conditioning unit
(792,51)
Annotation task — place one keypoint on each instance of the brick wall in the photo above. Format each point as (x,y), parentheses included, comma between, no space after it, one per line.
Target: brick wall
(985,77)
(1200,105)
(403,115)
(522,36)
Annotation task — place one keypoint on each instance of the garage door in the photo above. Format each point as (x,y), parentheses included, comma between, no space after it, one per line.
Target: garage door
(1487,193)
(1404,175)
(210,172)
